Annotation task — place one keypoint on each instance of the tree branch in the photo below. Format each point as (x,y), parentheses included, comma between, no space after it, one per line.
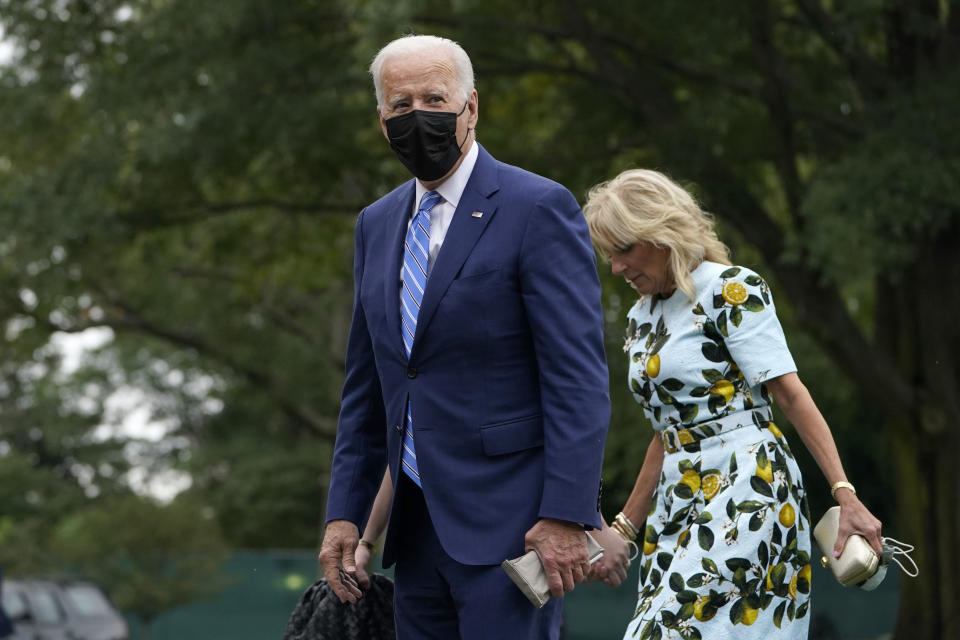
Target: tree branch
(865,73)
(775,96)
(709,77)
(194,212)
(125,318)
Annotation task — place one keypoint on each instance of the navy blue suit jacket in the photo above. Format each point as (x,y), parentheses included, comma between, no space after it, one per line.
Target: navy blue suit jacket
(507,377)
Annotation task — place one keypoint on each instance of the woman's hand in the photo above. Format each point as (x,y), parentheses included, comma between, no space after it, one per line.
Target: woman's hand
(855,518)
(612,567)
(362,558)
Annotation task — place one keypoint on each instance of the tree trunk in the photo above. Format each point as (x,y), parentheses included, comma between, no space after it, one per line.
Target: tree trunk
(926,505)
(926,441)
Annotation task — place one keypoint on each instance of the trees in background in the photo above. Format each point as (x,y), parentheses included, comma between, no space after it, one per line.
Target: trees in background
(151,557)
(187,175)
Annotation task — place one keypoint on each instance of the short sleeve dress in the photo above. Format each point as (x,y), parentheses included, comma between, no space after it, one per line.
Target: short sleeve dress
(726,547)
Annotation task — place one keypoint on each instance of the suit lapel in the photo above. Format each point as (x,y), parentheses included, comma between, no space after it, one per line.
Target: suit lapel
(396,233)
(465,229)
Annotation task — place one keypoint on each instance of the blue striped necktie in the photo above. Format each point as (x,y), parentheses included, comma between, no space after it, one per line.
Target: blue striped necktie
(416,255)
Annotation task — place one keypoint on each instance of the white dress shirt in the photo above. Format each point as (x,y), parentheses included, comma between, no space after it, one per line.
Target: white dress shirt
(442,213)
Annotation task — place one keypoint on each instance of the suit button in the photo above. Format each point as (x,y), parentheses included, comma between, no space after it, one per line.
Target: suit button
(411,372)
(398,427)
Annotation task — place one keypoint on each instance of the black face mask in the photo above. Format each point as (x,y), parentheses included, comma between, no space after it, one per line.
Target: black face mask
(426,141)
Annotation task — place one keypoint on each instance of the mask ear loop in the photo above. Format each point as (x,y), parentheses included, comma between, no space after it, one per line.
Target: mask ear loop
(469,129)
(896,548)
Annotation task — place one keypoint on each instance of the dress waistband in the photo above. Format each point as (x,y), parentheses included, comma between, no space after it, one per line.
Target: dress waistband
(689,436)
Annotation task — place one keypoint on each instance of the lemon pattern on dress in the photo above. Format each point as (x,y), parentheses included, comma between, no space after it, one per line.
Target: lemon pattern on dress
(726,547)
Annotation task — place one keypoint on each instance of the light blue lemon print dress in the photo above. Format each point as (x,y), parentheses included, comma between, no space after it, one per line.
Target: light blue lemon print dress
(726,548)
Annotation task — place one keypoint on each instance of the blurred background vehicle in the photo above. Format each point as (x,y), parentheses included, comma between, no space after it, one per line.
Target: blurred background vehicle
(61,610)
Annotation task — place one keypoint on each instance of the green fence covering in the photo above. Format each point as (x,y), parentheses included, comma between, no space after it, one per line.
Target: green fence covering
(265,587)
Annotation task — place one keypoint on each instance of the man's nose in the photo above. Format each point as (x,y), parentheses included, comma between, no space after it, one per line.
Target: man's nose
(616,267)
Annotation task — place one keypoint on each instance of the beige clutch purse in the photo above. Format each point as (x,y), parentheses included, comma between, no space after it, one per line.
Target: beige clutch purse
(528,574)
(856,564)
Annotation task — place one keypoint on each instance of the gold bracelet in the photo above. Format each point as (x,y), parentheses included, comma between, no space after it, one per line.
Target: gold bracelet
(618,526)
(368,545)
(627,525)
(623,534)
(843,484)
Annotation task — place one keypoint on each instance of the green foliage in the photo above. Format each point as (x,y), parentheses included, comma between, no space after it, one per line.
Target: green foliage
(880,206)
(150,558)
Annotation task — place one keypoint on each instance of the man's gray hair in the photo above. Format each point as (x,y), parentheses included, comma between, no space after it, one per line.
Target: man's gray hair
(415,45)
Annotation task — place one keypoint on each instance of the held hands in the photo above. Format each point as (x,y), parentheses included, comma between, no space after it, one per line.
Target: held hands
(856,518)
(362,556)
(338,560)
(563,552)
(612,567)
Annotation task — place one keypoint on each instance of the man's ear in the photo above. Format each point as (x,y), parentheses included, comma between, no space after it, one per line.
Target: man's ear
(383,124)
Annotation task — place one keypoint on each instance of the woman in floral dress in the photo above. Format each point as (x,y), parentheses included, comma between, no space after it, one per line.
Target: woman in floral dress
(719,503)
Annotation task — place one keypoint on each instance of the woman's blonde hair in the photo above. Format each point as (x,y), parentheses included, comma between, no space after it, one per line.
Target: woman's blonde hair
(641,205)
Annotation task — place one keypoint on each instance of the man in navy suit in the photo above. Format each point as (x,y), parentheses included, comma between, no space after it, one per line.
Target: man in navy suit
(478,378)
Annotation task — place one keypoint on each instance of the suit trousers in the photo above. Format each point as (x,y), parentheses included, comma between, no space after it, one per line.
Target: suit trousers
(438,598)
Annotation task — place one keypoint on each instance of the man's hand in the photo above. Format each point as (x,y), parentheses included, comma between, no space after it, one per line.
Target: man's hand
(612,567)
(337,559)
(563,552)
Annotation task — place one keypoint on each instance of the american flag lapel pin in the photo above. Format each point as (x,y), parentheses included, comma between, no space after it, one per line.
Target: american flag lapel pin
(477,214)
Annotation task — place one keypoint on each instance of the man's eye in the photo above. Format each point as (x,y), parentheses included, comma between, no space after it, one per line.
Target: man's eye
(623,249)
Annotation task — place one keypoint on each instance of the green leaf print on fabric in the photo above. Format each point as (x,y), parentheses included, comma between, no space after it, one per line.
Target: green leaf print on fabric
(710,330)
(688,412)
(722,323)
(754,304)
(705,538)
(711,352)
(672,384)
(778,614)
(749,506)
(676,582)
(729,273)
(662,394)
(736,316)
(761,486)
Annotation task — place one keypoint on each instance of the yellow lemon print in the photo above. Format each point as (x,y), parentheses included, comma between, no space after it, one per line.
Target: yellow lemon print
(734,293)
(723,388)
(792,587)
(765,473)
(669,445)
(803,584)
(749,615)
(653,365)
(699,607)
(710,483)
(769,582)
(692,479)
(787,516)
(775,430)
(649,540)
(684,436)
